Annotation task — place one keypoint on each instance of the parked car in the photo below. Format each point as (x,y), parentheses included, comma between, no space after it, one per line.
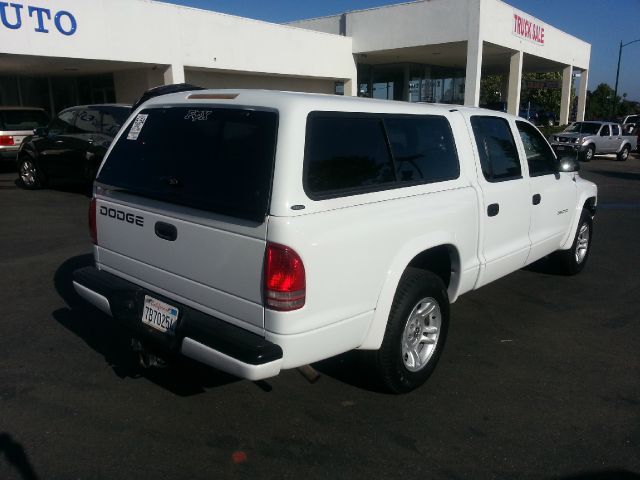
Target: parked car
(71,147)
(258,231)
(592,138)
(16,124)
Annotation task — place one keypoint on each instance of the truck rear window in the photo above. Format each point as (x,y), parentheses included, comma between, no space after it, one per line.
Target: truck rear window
(17,120)
(210,158)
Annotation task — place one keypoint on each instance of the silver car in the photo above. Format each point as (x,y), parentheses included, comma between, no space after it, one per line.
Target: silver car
(17,123)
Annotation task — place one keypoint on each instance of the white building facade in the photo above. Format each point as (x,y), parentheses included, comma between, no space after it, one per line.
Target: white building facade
(65,52)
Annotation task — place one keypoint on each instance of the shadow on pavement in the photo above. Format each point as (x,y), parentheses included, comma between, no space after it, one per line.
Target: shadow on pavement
(354,368)
(16,456)
(182,376)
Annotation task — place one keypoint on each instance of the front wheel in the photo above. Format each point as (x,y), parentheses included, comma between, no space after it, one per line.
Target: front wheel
(572,261)
(624,153)
(415,333)
(29,173)
(589,153)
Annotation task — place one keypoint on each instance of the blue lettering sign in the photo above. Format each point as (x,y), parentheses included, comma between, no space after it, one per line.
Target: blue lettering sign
(65,22)
(3,15)
(72,23)
(40,12)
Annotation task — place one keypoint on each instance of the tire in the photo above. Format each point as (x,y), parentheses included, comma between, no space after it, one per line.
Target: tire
(416,332)
(624,153)
(572,261)
(29,174)
(588,154)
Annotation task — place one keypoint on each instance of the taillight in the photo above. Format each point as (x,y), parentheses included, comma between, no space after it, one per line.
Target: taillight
(284,279)
(93,229)
(6,141)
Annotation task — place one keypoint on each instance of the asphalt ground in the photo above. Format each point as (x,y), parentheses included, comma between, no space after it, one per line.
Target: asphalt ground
(540,377)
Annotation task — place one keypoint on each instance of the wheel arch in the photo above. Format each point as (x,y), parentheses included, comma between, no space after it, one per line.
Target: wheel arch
(440,256)
(587,201)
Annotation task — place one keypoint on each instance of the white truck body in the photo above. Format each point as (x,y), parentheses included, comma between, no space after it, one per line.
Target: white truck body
(354,247)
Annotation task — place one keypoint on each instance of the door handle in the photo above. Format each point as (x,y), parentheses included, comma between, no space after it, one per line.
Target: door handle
(493,209)
(166,231)
(536,199)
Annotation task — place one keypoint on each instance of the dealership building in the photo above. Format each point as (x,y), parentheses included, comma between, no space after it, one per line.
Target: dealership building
(59,53)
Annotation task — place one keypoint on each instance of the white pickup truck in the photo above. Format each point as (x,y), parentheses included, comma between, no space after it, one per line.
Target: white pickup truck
(593,138)
(257,231)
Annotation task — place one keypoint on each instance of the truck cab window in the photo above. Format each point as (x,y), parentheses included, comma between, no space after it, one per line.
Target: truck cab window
(540,158)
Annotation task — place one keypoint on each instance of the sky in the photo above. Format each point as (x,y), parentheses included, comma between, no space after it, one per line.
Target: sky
(602,23)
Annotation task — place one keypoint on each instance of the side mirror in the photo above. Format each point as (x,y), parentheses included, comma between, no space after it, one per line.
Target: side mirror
(568,163)
(41,131)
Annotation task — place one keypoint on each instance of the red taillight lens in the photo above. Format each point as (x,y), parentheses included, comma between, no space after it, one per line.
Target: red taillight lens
(284,279)
(93,229)
(6,141)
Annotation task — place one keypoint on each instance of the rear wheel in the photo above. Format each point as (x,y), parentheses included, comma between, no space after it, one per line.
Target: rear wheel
(624,153)
(416,331)
(572,261)
(29,173)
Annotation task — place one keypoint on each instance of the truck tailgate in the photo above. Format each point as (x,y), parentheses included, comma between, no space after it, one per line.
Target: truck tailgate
(212,264)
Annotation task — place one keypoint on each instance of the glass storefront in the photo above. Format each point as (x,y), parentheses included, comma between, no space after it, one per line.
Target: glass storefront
(55,93)
(412,82)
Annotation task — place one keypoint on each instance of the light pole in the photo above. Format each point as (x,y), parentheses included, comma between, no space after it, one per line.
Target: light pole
(615,90)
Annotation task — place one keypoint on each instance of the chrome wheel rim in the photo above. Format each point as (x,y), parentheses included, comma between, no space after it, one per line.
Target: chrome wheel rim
(28,173)
(625,153)
(421,334)
(582,243)
(589,153)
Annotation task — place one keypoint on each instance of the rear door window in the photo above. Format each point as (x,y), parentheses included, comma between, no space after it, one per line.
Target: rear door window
(207,157)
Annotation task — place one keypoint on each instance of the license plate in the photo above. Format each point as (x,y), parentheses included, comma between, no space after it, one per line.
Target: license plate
(159,315)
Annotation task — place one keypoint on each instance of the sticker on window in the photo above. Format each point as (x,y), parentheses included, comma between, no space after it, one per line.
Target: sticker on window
(195,115)
(136,128)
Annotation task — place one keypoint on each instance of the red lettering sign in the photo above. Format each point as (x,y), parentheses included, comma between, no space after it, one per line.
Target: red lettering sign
(528,29)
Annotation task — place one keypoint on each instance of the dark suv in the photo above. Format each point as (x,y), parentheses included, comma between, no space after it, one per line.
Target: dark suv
(71,148)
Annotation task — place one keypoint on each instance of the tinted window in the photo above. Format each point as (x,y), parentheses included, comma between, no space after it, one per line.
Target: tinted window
(345,152)
(423,148)
(22,119)
(583,127)
(88,121)
(540,157)
(210,158)
(112,119)
(616,130)
(63,123)
(497,149)
(605,132)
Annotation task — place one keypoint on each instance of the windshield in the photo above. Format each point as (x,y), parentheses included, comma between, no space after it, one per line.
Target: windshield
(206,157)
(583,127)
(22,119)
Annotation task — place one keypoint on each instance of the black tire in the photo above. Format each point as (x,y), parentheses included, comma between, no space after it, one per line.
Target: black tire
(588,154)
(417,288)
(623,154)
(29,173)
(572,261)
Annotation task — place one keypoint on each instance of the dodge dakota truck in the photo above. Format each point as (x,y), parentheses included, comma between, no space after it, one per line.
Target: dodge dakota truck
(256,231)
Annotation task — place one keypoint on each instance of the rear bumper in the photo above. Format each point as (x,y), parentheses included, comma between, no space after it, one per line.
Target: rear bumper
(199,336)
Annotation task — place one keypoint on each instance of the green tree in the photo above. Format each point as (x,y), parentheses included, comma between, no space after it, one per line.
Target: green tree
(599,102)
(546,99)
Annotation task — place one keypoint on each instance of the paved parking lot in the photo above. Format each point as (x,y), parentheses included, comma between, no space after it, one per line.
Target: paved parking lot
(540,377)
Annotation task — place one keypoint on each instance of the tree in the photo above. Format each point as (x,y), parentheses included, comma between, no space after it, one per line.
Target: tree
(599,102)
